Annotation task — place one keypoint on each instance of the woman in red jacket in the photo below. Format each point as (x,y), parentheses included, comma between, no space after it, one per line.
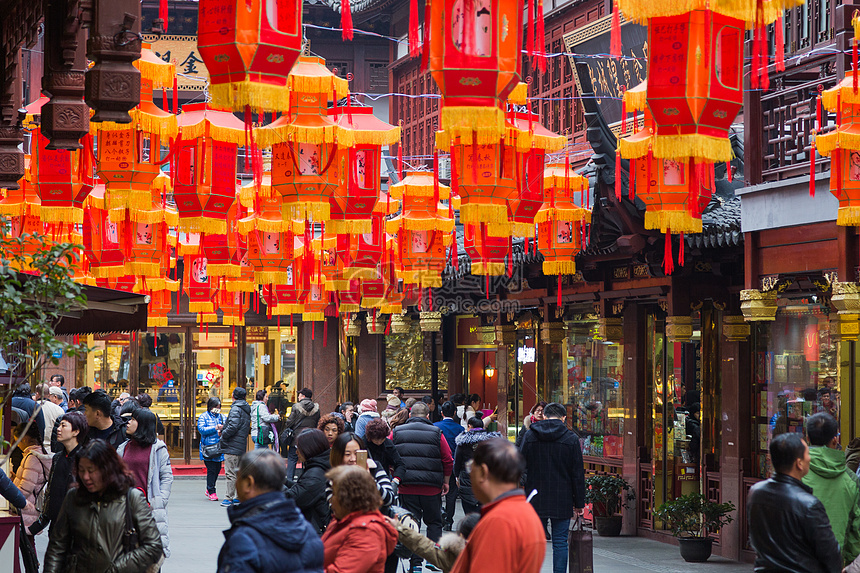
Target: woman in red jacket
(360,538)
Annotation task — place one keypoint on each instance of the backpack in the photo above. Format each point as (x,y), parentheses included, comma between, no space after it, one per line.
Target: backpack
(264,431)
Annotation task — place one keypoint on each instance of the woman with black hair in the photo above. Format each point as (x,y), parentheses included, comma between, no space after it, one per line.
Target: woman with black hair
(89,532)
(309,490)
(344,452)
(148,460)
(71,435)
(209,426)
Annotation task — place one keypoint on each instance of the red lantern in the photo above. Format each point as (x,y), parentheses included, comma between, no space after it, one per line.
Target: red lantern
(161,304)
(102,238)
(198,288)
(560,220)
(233,305)
(249,47)
(843,148)
(364,252)
(204,185)
(488,253)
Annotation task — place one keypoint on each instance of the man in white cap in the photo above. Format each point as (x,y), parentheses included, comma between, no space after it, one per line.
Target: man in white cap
(52,397)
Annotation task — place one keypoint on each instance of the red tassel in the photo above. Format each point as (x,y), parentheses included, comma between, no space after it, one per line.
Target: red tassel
(756,60)
(175,95)
(729,171)
(558,289)
(623,114)
(511,257)
(631,180)
(541,38)
(164,100)
(854,62)
(388,325)
(414,27)
(425,51)
(837,157)
(779,33)
(820,112)
(617,175)
(436,179)
(162,12)
(681,251)
(615,33)
(764,59)
(530,38)
(668,264)
(812,168)
(400,155)
(456,249)
(345,20)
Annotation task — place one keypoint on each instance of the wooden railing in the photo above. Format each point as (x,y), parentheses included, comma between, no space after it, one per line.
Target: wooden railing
(646,496)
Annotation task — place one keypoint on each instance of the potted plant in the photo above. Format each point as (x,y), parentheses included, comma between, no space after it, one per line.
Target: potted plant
(693,518)
(607,494)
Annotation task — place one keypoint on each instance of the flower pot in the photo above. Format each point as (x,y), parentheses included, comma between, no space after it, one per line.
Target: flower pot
(608,526)
(695,549)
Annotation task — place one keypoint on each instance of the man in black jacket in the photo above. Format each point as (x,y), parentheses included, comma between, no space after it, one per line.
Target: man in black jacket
(234,441)
(554,468)
(429,464)
(788,525)
(103,426)
(305,414)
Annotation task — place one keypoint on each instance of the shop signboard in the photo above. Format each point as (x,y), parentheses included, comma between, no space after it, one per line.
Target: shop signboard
(182,51)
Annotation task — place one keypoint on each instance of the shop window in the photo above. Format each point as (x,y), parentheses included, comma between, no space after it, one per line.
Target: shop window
(408,365)
(595,378)
(794,375)
(108,364)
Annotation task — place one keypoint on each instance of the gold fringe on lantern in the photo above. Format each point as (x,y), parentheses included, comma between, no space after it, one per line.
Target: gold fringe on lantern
(160,73)
(745,10)
(678,221)
(258,95)
(359,273)
(376,137)
(269,136)
(143,268)
(825,144)
(519,95)
(349,226)
(447,239)
(336,284)
(709,148)
(444,225)
(188,249)
(127,199)
(155,283)
(248,194)
(249,224)
(487,122)
(492,269)
(152,216)
(206,225)
(476,213)
(220,270)
(559,267)
(632,148)
(207,317)
(240,285)
(311,210)
(848,216)
(313,316)
(557,214)
(51,214)
(156,321)
(287,308)
(108,272)
(390,309)
(420,190)
(230,320)
(204,306)
(500,229)
(162,125)
(349,307)
(216,132)
(522,230)
(272,277)
(318,85)
(636,97)
(525,140)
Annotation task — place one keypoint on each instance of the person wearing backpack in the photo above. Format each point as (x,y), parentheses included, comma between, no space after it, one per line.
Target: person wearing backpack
(32,474)
(261,431)
(304,414)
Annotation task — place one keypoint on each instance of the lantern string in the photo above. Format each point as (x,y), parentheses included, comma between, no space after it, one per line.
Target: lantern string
(414,26)
(346,20)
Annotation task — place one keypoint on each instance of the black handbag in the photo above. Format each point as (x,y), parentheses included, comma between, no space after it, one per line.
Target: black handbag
(212,450)
(580,548)
(286,437)
(28,551)
(130,537)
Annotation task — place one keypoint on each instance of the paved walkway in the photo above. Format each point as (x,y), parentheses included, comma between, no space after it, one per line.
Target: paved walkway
(196,527)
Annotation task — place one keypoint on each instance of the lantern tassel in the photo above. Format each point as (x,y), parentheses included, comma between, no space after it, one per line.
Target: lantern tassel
(812,167)
(631,181)
(617,175)
(541,39)
(681,251)
(164,100)
(837,158)
(346,20)
(779,40)
(175,95)
(530,37)
(668,264)
(729,171)
(388,325)
(425,50)
(615,33)
(854,63)
(558,290)
(414,27)
(162,13)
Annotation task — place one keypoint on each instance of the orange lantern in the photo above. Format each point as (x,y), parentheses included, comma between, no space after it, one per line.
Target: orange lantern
(198,288)
(560,220)
(102,238)
(304,142)
(489,254)
(220,250)
(249,48)
(364,252)
(474,57)
(233,306)
(359,168)
(161,304)
(843,148)
(122,164)
(204,185)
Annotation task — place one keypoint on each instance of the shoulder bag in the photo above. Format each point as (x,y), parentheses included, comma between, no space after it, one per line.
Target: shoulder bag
(580,548)
(131,539)
(213,450)
(264,437)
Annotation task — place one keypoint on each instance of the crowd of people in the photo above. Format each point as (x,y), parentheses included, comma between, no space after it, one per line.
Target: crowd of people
(370,476)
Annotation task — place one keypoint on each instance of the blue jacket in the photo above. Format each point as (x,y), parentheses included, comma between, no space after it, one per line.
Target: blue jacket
(207,428)
(450,429)
(10,492)
(267,534)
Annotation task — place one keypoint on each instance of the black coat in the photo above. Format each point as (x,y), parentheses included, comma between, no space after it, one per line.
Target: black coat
(237,427)
(419,444)
(309,492)
(114,437)
(59,482)
(466,443)
(789,529)
(386,456)
(554,468)
(305,414)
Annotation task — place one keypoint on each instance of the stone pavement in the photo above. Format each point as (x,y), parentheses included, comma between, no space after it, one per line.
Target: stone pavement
(196,526)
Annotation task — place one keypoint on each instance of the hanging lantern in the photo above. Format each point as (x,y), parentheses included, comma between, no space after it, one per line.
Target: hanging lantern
(129,153)
(161,304)
(560,220)
(102,238)
(198,288)
(474,58)
(270,244)
(305,141)
(488,254)
(57,175)
(233,306)
(423,229)
(365,252)
(843,148)
(204,185)
(249,48)
(220,249)
(359,168)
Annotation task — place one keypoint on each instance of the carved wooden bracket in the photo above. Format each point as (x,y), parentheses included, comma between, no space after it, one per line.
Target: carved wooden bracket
(113,83)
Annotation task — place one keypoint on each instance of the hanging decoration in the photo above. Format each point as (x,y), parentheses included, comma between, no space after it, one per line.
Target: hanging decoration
(560,219)
(843,147)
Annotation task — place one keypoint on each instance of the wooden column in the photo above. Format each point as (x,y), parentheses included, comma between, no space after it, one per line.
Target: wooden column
(320,369)
(371,366)
(633,398)
(134,361)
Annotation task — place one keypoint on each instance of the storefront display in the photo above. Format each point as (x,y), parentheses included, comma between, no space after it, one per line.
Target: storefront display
(794,374)
(406,365)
